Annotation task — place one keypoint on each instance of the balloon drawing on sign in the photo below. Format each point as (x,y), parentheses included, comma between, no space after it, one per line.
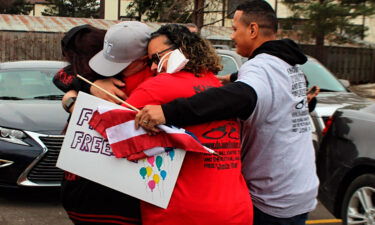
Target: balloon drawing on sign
(156,178)
(149,171)
(171,154)
(151,184)
(143,172)
(151,160)
(163,174)
(159,161)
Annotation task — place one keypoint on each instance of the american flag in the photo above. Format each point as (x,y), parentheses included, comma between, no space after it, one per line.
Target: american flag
(117,125)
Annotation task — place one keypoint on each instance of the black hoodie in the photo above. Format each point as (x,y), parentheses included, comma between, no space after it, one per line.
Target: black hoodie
(236,99)
(284,49)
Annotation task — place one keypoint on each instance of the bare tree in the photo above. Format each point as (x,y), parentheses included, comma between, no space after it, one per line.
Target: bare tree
(198,13)
(161,11)
(15,7)
(101,9)
(5,4)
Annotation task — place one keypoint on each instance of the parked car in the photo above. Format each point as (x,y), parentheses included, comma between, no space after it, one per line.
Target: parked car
(231,61)
(346,165)
(333,95)
(31,121)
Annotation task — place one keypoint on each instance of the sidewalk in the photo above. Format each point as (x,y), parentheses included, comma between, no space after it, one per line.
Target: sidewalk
(365,90)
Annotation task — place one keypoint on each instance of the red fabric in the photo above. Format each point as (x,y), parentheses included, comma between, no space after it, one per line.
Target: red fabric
(131,82)
(209,189)
(127,142)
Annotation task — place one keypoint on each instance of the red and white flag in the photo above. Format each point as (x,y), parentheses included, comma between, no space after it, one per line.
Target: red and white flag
(117,125)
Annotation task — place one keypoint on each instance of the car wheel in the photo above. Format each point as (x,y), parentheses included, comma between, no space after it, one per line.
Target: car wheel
(359,202)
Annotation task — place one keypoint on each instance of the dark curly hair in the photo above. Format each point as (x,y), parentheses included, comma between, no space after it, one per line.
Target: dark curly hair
(202,56)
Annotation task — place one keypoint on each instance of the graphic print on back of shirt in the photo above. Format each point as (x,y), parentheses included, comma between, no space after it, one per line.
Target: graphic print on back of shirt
(224,137)
(300,112)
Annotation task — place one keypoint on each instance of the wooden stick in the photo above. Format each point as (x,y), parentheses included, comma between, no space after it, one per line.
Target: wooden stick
(108,93)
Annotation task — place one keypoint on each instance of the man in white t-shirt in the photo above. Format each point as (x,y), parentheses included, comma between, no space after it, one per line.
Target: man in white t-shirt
(269,95)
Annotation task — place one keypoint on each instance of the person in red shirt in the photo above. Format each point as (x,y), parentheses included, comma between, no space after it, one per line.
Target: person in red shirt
(210,189)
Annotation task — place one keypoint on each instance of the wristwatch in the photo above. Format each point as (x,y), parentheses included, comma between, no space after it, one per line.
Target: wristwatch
(69,103)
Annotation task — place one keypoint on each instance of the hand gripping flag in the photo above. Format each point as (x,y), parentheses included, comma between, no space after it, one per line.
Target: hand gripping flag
(117,125)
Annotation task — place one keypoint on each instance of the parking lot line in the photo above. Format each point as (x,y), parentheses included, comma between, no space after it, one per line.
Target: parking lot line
(323,221)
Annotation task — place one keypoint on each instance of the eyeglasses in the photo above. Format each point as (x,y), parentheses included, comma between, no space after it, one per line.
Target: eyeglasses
(155,58)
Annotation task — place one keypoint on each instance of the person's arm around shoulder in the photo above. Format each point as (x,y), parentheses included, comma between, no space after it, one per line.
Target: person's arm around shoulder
(233,100)
(111,85)
(66,81)
(228,78)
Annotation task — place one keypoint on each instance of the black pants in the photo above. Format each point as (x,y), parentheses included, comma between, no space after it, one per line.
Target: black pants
(89,203)
(261,218)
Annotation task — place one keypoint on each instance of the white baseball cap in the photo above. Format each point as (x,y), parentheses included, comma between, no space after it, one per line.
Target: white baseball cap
(123,43)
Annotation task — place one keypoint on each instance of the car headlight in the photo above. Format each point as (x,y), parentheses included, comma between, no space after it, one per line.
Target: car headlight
(12,136)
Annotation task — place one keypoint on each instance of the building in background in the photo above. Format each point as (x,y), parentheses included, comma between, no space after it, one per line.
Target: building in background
(38,7)
(116,9)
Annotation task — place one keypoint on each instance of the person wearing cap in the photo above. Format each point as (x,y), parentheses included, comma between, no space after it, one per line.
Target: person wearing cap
(124,52)
(112,65)
(87,202)
(210,190)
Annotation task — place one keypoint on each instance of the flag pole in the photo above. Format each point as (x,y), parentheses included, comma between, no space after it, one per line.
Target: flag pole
(108,93)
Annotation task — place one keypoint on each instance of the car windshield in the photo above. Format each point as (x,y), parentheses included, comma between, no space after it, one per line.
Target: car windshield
(318,75)
(18,84)
(229,65)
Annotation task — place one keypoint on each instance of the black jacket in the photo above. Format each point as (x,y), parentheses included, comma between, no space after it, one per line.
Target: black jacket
(232,100)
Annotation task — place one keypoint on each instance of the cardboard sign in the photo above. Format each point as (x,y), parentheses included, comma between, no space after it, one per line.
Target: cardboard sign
(87,154)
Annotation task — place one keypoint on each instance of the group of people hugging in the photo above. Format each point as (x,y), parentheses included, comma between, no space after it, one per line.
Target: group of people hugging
(173,64)
(132,53)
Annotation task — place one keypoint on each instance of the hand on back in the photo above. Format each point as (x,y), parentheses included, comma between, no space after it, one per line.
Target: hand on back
(111,85)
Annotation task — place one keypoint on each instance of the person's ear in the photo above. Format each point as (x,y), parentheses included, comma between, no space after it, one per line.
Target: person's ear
(254,30)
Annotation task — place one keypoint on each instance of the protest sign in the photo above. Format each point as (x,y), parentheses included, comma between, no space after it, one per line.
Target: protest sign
(87,154)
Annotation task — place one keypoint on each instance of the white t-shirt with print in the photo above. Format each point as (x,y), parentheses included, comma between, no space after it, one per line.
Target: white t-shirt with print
(277,150)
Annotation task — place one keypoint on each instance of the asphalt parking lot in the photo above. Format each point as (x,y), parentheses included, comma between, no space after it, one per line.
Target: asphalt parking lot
(42,207)
(32,207)
(322,216)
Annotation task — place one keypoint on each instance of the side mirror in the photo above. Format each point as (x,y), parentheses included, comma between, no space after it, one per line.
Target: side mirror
(345,83)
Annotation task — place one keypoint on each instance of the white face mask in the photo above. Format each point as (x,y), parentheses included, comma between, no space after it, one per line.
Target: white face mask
(176,61)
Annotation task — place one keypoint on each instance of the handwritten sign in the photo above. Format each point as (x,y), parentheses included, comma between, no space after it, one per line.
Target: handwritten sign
(86,153)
